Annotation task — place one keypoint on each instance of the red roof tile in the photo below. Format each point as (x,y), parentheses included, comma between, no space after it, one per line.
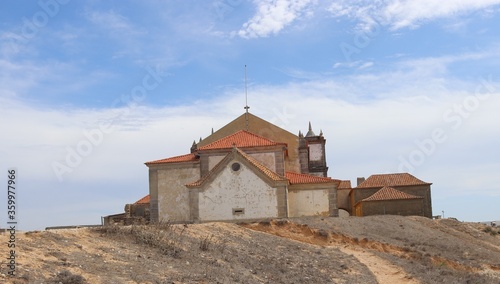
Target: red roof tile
(272,175)
(389,193)
(345,184)
(399,179)
(144,200)
(296,178)
(184,158)
(240,139)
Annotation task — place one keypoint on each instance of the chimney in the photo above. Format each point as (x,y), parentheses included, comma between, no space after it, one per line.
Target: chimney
(360,180)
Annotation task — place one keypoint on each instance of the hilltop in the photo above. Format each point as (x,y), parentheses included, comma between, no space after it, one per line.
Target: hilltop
(376,249)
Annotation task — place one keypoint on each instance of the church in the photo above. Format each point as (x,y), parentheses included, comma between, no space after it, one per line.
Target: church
(251,169)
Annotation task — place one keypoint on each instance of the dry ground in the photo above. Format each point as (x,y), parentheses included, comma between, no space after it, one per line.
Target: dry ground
(378,249)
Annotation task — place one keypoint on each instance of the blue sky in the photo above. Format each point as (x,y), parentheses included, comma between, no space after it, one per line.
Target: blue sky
(89,91)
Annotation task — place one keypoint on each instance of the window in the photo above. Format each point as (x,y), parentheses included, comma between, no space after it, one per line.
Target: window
(235,167)
(238,211)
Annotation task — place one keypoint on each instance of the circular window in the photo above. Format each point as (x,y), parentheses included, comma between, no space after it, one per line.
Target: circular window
(235,167)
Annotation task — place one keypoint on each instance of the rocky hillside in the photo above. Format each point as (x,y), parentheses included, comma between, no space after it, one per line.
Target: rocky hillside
(378,249)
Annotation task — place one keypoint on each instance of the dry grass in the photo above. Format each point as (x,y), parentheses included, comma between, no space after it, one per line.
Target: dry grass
(309,250)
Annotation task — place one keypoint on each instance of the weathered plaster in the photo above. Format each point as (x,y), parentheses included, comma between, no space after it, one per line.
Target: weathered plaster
(214,160)
(173,195)
(267,159)
(230,190)
(315,152)
(308,202)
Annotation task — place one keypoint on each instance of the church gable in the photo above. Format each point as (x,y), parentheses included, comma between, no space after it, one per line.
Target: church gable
(262,128)
(237,188)
(389,193)
(253,124)
(240,157)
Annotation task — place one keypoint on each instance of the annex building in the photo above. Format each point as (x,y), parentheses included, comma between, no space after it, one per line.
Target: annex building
(252,169)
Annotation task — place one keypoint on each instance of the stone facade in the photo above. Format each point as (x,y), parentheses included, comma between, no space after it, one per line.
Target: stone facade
(273,179)
(410,207)
(251,169)
(401,184)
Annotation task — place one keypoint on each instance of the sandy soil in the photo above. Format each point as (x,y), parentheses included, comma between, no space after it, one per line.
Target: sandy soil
(379,249)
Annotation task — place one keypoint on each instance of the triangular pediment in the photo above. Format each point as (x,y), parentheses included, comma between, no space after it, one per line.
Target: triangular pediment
(253,124)
(255,166)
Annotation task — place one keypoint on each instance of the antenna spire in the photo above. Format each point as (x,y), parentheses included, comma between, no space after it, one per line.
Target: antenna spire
(246,100)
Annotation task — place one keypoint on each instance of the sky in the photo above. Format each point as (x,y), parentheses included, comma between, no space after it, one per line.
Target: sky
(91,90)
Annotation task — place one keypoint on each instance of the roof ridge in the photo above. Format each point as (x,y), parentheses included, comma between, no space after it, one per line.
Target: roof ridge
(300,178)
(223,143)
(390,193)
(391,179)
(175,159)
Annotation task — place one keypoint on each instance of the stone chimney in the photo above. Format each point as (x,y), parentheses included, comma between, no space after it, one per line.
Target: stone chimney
(360,180)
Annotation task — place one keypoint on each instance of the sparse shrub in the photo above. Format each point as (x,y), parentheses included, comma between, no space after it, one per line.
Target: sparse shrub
(66,277)
(205,243)
(487,230)
(282,222)
(490,230)
(161,235)
(322,233)
(265,223)
(108,229)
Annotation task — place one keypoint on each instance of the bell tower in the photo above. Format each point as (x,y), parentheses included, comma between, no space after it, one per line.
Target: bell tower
(316,153)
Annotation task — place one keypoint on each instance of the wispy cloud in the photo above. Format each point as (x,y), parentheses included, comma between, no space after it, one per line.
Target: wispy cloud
(405,111)
(398,14)
(109,20)
(273,16)
(359,64)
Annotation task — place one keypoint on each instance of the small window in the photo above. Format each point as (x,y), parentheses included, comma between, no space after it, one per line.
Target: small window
(235,167)
(238,211)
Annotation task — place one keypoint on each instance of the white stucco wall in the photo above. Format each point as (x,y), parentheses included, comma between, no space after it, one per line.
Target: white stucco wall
(240,189)
(308,202)
(173,195)
(267,159)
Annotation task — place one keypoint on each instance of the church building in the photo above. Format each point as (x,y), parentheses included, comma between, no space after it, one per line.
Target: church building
(251,169)
(248,169)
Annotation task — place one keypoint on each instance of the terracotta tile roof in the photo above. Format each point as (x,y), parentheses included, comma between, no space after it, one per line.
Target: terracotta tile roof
(240,139)
(183,158)
(263,169)
(389,193)
(399,179)
(296,178)
(144,200)
(345,184)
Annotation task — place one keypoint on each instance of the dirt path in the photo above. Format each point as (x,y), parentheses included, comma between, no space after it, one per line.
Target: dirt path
(384,271)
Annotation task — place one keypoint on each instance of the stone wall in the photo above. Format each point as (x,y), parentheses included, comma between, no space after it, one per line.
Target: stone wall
(168,193)
(312,200)
(404,207)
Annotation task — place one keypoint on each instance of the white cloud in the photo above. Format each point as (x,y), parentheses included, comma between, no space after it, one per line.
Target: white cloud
(397,14)
(273,16)
(369,121)
(109,20)
(358,64)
